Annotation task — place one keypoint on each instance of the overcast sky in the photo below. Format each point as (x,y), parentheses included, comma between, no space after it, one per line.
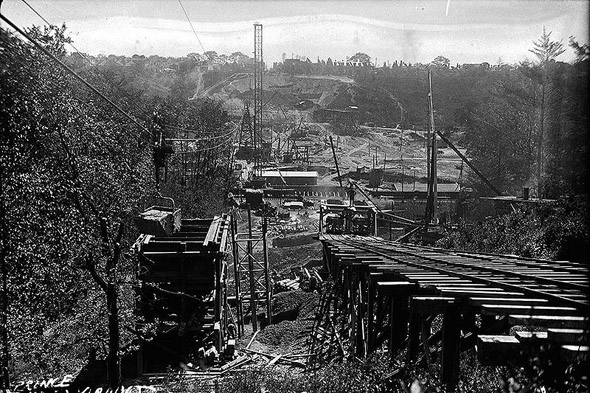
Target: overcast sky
(413,31)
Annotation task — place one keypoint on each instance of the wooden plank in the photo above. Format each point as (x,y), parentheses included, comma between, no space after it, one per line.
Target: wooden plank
(430,305)
(568,336)
(525,335)
(475,301)
(493,350)
(274,360)
(453,285)
(395,286)
(447,281)
(552,321)
(573,353)
(473,288)
(495,309)
(457,292)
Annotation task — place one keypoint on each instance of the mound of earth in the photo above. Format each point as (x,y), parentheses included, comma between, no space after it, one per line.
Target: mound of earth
(290,335)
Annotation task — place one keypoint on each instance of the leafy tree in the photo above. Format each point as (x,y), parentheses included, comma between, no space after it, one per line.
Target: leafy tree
(239,56)
(545,49)
(546,52)
(557,231)
(69,190)
(499,138)
(198,178)
(360,57)
(211,55)
(582,51)
(441,62)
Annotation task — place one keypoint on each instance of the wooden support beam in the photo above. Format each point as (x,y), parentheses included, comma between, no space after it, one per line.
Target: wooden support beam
(574,353)
(568,336)
(370,314)
(395,287)
(552,321)
(380,330)
(414,335)
(519,300)
(399,321)
(476,292)
(430,305)
(425,330)
(493,350)
(496,309)
(450,346)
(528,335)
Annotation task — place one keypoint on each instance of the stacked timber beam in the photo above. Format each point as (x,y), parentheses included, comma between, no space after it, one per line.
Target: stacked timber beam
(389,294)
(184,293)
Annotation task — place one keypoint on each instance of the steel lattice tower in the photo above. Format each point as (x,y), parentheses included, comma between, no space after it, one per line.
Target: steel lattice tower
(246,131)
(258,69)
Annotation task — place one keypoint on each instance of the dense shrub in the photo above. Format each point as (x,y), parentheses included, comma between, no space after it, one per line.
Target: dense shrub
(551,231)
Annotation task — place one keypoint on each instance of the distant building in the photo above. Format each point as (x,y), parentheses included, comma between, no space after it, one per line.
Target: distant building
(476,66)
(357,63)
(292,178)
(296,66)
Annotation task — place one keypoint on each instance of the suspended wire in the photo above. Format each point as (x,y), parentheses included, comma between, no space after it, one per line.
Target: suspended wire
(51,24)
(191,23)
(214,147)
(231,134)
(75,75)
(90,62)
(226,137)
(176,128)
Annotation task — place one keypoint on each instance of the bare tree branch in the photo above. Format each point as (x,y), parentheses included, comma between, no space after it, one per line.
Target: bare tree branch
(92,270)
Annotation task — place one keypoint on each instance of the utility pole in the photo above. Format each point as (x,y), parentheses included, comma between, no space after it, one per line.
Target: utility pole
(432,173)
(335,161)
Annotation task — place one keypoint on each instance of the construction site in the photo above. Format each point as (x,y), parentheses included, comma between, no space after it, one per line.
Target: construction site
(325,250)
(311,264)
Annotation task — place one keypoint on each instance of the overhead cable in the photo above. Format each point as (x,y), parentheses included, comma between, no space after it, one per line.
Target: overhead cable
(51,24)
(191,23)
(176,128)
(74,74)
(200,150)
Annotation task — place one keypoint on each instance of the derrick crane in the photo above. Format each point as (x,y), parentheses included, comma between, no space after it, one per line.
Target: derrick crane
(258,70)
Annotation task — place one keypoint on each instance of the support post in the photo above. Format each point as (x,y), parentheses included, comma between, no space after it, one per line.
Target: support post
(399,321)
(431,161)
(253,302)
(450,346)
(237,274)
(336,161)
(414,336)
(266,275)
(370,315)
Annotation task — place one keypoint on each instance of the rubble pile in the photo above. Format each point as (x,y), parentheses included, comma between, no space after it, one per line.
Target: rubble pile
(291,335)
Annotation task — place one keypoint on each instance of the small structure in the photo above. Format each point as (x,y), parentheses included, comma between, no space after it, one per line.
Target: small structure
(375,178)
(342,217)
(505,204)
(159,220)
(292,178)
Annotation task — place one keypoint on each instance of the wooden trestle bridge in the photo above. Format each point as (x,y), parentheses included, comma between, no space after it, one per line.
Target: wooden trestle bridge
(406,299)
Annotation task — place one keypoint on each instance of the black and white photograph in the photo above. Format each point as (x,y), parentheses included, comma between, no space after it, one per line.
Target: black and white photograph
(284,196)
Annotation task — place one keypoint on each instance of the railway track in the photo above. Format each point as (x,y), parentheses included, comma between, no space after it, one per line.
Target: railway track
(388,294)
